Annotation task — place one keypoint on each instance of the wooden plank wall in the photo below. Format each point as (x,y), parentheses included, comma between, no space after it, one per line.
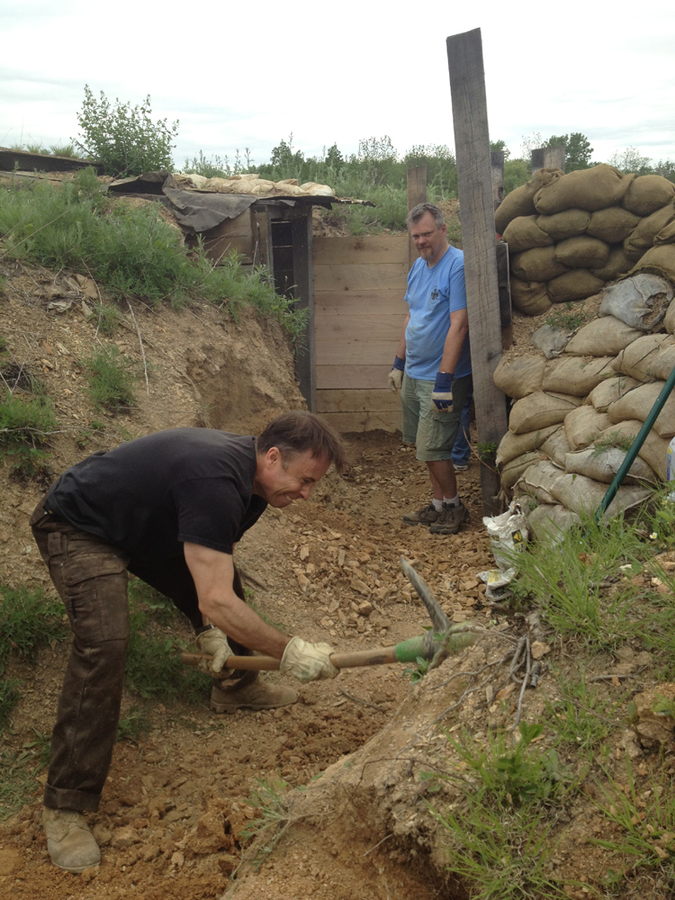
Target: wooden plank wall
(359,286)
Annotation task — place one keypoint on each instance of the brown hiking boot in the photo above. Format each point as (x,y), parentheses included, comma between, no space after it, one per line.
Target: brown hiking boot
(70,843)
(450,519)
(425,516)
(258,695)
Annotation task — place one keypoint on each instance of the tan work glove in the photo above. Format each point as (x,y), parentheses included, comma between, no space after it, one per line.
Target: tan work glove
(396,375)
(306,661)
(213,642)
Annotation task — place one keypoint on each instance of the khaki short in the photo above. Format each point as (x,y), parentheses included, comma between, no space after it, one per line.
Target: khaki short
(432,431)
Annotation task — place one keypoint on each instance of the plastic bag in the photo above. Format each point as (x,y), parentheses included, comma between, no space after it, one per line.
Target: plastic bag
(508,535)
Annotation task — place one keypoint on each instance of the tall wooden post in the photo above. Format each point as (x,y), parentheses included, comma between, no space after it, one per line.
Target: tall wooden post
(472,147)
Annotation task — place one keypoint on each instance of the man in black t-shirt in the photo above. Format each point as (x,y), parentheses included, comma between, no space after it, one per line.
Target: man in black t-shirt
(169,508)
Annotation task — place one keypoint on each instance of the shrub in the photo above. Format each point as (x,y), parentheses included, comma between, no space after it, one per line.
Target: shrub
(122,138)
(111,381)
(28,621)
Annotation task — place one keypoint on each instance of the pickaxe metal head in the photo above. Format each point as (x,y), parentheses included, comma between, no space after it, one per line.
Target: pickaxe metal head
(438,618)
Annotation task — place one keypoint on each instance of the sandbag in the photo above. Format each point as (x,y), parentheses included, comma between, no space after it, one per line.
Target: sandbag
(664,361)
(565,224)
(612,225)
(520,201)
(590,189)
(584,495)
(523,233)
(530,297)
(647,193)
(576,375)
(575,285)
(637,404)
(602,464)
(660,260)
(583,425)
(538,264)
(512,471)
(617,264)
(639,301)
(666,235)
(520,376)
(653,450)
(669,320)
(582,252)
(556,447)
(539,410)
(537,481)
(602,337)
(643,235)
(636,359)
(549,522)
(610,390)
(513,445)
(550,339)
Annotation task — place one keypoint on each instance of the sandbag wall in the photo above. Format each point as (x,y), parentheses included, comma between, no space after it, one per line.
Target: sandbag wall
(570,235)
(580,401)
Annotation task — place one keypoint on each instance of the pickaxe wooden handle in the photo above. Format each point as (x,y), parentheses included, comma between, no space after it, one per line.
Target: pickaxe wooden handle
(408,651)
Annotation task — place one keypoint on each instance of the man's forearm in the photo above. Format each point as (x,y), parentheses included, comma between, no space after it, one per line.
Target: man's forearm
(239,622)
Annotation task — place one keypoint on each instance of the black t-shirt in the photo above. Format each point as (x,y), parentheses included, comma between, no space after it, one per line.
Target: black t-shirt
(152,494)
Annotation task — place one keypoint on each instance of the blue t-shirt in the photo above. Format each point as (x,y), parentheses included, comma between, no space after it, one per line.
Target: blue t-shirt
(433,293)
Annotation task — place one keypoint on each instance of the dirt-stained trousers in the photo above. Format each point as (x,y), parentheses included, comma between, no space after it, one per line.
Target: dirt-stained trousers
(91,577)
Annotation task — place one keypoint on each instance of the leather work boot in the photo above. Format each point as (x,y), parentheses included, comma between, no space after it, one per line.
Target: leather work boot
(70,843)
(450,519)
(425,516)
(257,695)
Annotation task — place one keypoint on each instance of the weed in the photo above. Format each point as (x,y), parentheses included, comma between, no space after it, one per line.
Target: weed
(271,799)
(85,435)
(417,674)
(133,726)
(498,835)
(567,317)
(644,817)
(108,318)
(487,452)
(614,439)
(28,621)
(111,380)
(9,697)
(18,784)
(580,718)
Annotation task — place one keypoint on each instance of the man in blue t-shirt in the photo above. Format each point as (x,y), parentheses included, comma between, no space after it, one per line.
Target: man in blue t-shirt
(432,368)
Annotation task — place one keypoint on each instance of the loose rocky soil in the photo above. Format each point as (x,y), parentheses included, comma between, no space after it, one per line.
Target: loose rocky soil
(176,805)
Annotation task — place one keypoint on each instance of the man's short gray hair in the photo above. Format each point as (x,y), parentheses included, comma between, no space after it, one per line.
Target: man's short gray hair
(418,211)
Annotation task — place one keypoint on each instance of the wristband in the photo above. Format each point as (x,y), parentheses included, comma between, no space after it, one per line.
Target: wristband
(399,364)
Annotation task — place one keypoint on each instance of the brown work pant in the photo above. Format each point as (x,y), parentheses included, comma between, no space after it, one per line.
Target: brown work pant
(91,577)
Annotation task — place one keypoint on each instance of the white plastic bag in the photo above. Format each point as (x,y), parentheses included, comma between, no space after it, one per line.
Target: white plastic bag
(508,535)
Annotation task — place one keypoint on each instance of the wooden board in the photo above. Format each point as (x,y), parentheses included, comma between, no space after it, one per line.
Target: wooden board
(353,377)
(355,303)
(358,401)
(354,353)
(351,277)
(359,328)
(357,422)
(369,250)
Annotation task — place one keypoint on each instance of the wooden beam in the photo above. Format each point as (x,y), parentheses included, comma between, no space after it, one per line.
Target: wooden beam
(548,158)
(367,250)
(472,147)
(305,359)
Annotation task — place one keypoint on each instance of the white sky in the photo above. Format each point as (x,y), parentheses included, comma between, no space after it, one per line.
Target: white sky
(246,77)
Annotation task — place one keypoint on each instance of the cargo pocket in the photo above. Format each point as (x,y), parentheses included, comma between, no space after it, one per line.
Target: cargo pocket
(95,588)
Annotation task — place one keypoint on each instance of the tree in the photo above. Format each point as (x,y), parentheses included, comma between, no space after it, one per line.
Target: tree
(630,160)
(123,139)
(496,146)
(577,149)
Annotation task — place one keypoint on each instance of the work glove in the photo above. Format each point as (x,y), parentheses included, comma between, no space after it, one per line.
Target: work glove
(396,374)
(441,396)
(213,642)
(306,661)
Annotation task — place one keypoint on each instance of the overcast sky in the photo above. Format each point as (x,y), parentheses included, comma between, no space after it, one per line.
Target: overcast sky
(239,76)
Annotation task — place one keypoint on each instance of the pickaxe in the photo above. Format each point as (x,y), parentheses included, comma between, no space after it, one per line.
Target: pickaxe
(444,636)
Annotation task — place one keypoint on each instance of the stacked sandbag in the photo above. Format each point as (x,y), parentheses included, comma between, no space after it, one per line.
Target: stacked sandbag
(576,410)
(570,235)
